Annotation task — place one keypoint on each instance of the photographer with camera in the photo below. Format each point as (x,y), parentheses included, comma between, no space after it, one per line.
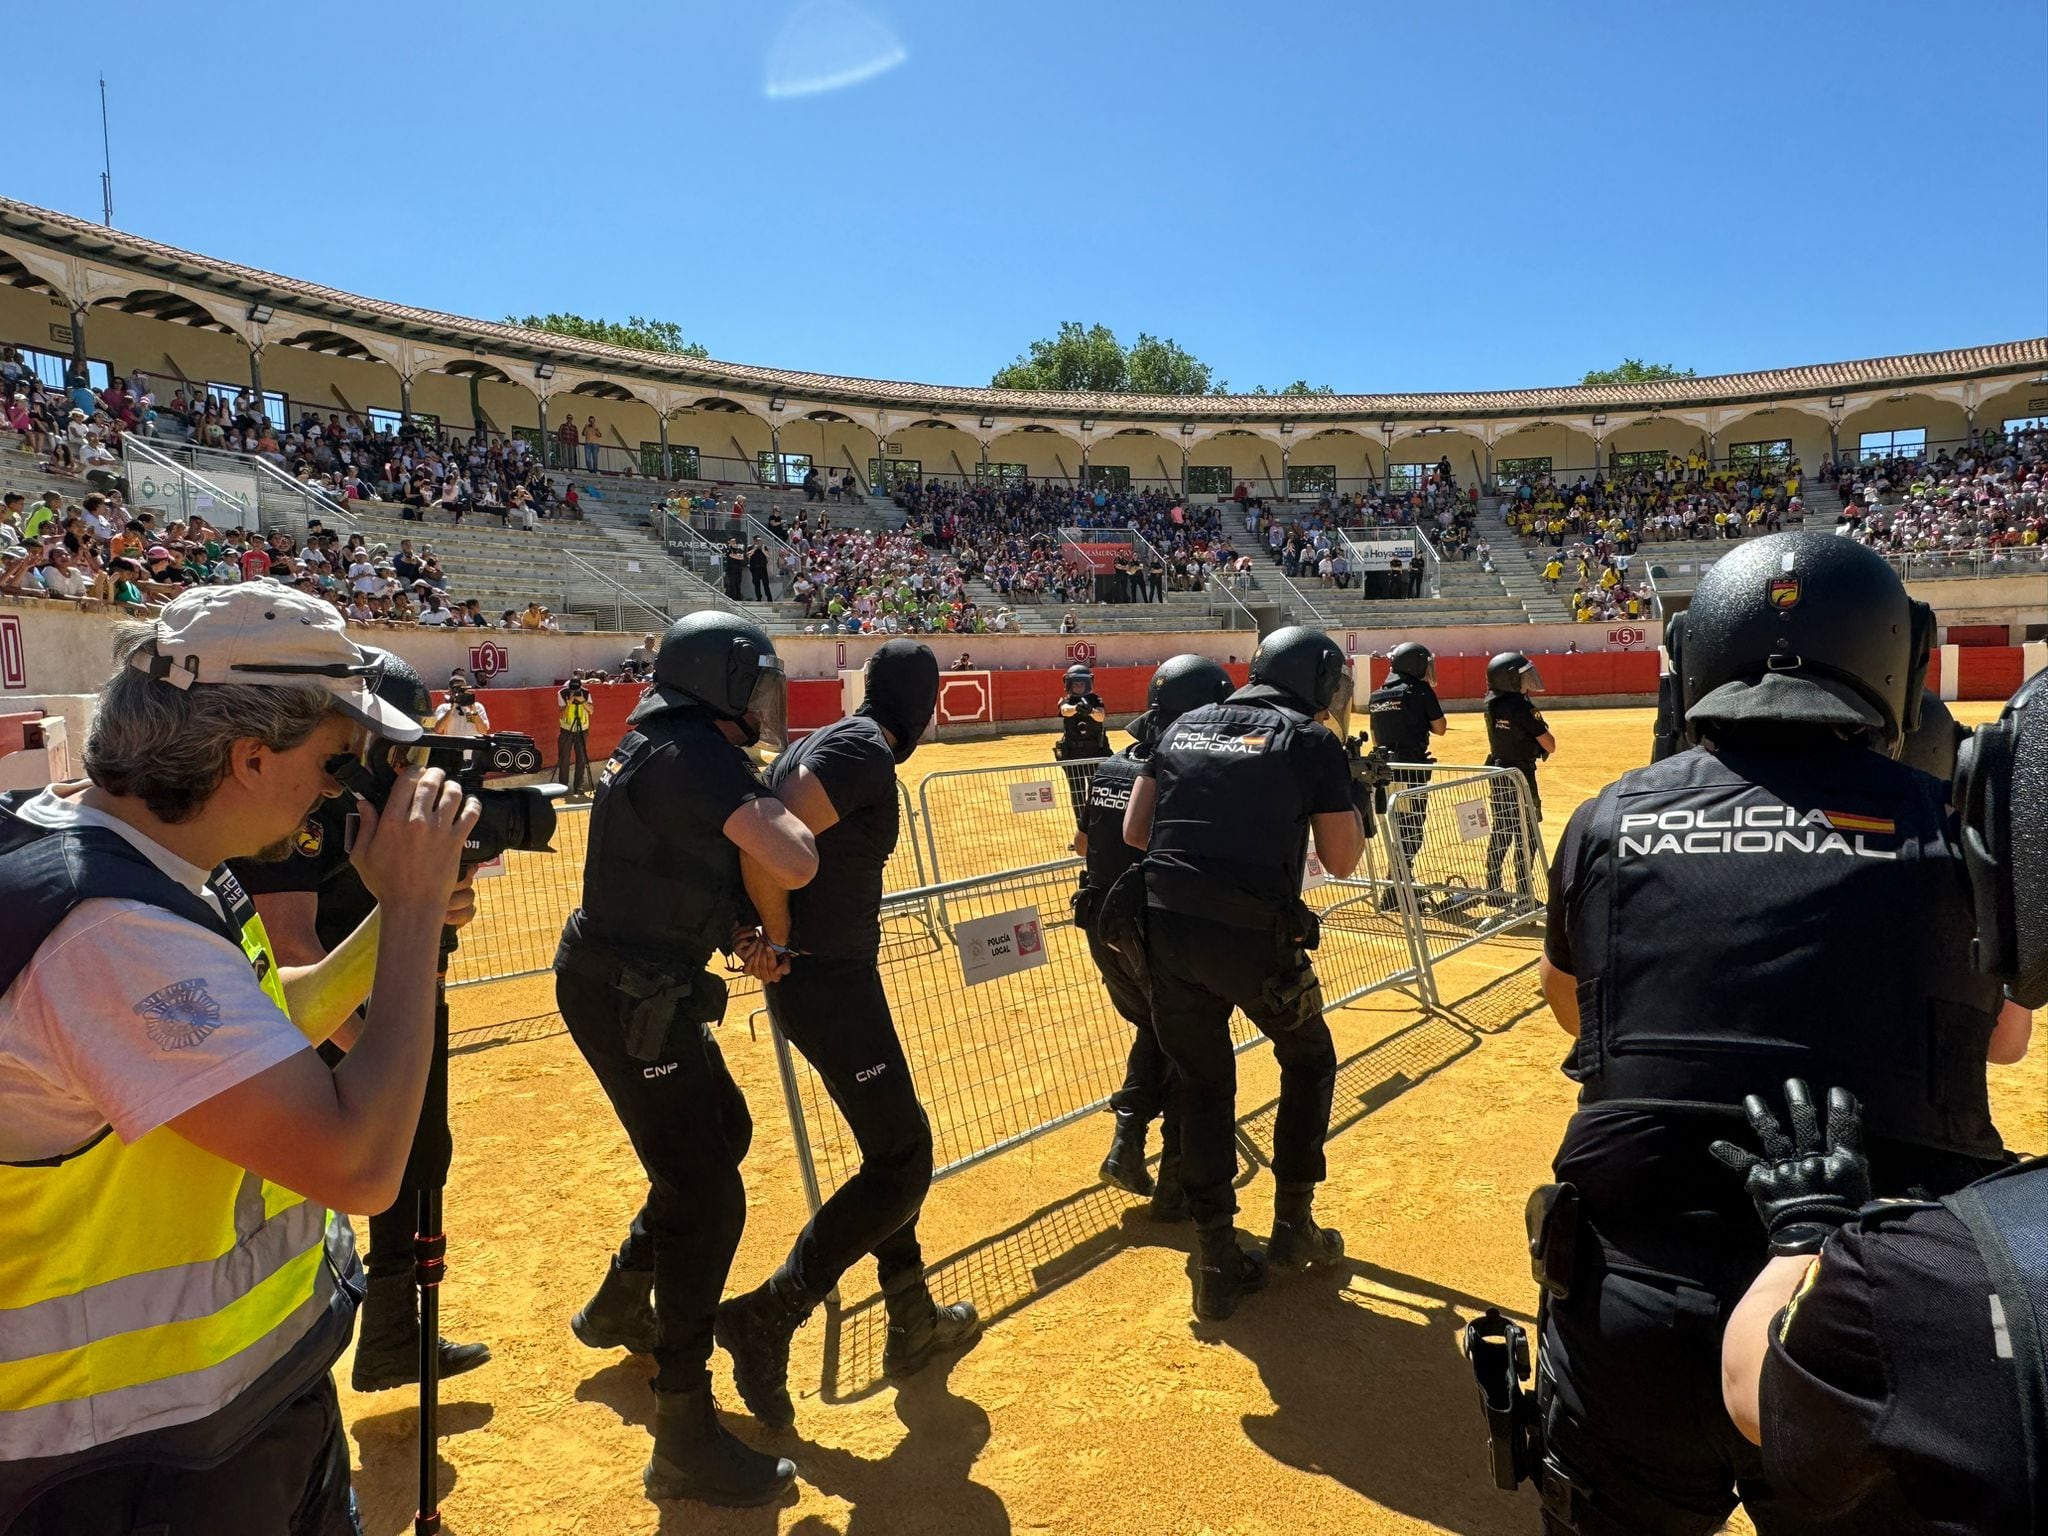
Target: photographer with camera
(572,741)
(462,713)
(681,819)
(1712,922)
(170,1142)
(1226,808)
(310,902)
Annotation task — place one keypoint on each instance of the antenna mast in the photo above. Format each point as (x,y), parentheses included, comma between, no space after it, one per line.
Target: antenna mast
(107,158)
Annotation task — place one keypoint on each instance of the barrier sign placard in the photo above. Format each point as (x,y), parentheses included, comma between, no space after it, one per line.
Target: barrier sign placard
(1032,797)
(1313,875)
(992,947)
(1474,820)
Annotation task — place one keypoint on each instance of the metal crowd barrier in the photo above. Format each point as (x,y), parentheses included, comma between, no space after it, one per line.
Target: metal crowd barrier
(982,821)
(523,908)
(1471,855)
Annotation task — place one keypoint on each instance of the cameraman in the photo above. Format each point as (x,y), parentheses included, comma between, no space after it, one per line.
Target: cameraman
(170,1142)
(462,713)
(310,902)
(572,740)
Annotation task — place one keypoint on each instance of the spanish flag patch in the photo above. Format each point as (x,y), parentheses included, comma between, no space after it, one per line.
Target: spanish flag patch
(1846,821)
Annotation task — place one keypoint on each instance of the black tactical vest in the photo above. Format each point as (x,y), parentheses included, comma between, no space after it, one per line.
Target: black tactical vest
(2007,1216)
(1743,918)
(1102,818)
(1400,718)
(1081,735)
(1231,827)
(668,891)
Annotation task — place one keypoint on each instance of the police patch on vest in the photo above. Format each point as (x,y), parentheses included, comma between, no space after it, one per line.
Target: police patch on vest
(1753,829)
(308,839)
(180,1015)
(1221,741)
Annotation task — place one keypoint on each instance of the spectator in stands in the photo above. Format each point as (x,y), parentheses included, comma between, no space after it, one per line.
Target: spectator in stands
(593,439)
(734,559)
(813,488)
(757,571)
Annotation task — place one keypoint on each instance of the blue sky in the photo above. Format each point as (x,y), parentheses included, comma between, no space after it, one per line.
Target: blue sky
(1374,196)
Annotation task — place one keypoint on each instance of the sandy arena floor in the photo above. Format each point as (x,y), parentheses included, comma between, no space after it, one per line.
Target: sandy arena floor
(1331,1404)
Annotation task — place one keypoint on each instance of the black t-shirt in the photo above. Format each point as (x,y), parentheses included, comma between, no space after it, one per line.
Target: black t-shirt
(1102,819)
(1885,1402)
(1238,783)
(319,863)
(1402,710)
(1512,726)
(837,914)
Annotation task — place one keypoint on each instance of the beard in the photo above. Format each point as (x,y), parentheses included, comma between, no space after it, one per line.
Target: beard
(277,852)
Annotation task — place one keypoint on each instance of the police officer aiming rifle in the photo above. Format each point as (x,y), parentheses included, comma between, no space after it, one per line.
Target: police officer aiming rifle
(1405,714)
(825,994)
(1517,737)
(1225,808)
(1083,736)
(1181,684)
(1781,898)
(680,813)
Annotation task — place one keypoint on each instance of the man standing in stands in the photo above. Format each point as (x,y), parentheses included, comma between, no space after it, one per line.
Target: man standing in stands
(757,571)
(735,567)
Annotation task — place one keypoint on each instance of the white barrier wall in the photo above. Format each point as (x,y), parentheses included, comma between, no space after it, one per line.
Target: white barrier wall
(63,648)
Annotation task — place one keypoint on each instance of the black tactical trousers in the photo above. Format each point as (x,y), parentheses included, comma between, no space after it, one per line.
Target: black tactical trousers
(1200,970)
(1146,1090)
(835,1013)
(688,1121)
(291,1479)
(572,761)
(1507,834)
(1412,815)
(1630,1391)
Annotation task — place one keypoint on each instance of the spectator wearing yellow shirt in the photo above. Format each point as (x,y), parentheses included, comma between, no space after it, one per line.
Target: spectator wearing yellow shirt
(1553,572)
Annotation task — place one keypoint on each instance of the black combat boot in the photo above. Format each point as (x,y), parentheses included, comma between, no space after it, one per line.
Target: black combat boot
(388,1348)
(920,1328)
(1297,1241)
(1223,1272)
(1169,1195)
(1125,1165)
(621,1314)
(755,1329)
(696,1457)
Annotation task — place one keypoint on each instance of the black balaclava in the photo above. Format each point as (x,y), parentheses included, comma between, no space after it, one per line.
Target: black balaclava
(902,692)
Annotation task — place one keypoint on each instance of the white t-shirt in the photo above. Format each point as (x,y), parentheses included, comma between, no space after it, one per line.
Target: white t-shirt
(436,616)
(128,1014)
(450,721)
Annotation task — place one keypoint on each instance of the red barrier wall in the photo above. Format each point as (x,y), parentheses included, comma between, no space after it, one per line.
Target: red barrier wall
(1989,672)
(1976,634)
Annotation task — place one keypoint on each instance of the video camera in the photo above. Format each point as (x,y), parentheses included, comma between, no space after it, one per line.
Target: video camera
(521,819)
(2001,797)
(1372,770)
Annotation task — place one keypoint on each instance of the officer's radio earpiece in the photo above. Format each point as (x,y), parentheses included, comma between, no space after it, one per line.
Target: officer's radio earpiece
(2001,794)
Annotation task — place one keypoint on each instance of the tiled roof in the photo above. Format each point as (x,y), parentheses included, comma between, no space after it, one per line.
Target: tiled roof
(42,226)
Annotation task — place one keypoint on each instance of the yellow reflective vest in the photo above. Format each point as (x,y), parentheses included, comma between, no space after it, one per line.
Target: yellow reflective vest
(147,1285)
(576,715)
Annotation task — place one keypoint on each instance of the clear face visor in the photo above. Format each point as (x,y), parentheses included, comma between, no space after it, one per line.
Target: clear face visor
(1339,709)
(1429,672)
(1532,680)
(768,705)
(1079,683)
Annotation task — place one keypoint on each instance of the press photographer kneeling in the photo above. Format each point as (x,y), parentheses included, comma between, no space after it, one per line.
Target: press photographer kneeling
(171,1144)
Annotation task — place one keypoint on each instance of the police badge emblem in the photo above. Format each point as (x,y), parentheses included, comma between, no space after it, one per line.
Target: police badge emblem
(307,841)
(1783,592)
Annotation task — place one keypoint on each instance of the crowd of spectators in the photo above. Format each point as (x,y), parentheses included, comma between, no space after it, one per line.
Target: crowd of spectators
(1681,498)
(1602,590)
(1987,500)
(1304,541)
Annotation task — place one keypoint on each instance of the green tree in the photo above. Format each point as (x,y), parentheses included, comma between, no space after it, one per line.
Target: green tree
(637,331)
(1078,358)
(1155,367)
(1298,387)
(1633,370)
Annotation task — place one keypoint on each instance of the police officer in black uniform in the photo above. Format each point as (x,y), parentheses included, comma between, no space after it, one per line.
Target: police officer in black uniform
(1405,713)
(1225,807)
(679,809)
(1517,737)
(825,995)
(1782,898)
(1181,684)
(1855,1347)
(310,901)
(1083,736)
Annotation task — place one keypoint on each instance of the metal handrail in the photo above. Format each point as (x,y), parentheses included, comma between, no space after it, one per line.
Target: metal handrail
(133,446)
(619,590)
(312,500)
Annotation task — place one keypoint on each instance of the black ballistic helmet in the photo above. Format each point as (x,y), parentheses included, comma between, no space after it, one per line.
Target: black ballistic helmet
(1079,679)
(399,685)
(712,658)
(1411,659)
(1808,629)
(1182,683)
(1931,745)
(1512,672)
(1304,664)
(2000,784)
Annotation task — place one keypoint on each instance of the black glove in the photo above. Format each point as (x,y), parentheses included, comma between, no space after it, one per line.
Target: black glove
(1802,1190)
